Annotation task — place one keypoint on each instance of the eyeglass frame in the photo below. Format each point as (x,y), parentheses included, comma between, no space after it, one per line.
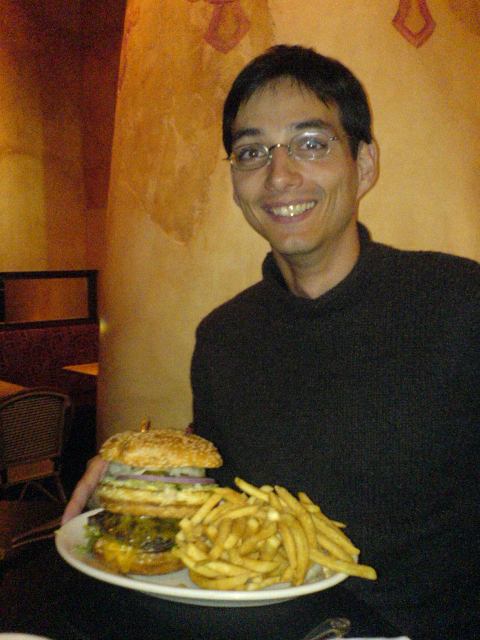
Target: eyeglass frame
(288,146)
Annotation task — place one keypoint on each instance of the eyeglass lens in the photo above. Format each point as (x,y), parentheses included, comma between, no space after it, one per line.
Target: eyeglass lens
(305,146)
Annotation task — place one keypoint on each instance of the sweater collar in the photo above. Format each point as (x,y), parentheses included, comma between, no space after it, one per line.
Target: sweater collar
(344,294)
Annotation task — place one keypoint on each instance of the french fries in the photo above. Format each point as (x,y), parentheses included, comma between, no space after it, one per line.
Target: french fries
(262,536)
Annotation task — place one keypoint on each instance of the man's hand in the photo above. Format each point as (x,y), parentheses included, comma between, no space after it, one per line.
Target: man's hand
(85,487)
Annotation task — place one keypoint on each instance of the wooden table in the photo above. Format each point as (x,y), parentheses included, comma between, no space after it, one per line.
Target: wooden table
(24,521)
(7,388)
(42,595)
(89,368)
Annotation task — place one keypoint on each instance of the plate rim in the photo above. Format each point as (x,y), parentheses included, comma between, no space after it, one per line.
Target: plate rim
(69,536)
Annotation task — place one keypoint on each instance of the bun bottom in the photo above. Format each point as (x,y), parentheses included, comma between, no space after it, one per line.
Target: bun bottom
(122,558)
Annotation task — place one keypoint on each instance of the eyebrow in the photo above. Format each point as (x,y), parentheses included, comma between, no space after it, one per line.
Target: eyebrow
(244,133)
(315,123)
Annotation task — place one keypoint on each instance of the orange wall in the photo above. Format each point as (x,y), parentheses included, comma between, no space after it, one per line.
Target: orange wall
(426,113)
(41,183)
(58,66)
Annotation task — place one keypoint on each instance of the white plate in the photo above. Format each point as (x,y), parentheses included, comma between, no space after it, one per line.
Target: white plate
(21,636)
(176,586)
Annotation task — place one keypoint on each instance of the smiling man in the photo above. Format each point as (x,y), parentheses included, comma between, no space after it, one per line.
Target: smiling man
(350,371)
(298,183)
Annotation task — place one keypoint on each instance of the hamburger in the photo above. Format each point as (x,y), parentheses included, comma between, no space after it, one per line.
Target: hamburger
(154,478)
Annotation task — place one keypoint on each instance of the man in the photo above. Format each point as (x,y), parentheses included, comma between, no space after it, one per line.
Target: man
(351,370)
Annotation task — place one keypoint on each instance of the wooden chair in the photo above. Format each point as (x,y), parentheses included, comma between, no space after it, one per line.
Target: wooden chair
(34,425)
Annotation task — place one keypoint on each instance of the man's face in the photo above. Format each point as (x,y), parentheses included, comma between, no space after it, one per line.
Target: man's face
(304,208)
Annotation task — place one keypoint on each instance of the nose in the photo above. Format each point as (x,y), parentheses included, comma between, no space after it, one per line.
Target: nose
(282,170)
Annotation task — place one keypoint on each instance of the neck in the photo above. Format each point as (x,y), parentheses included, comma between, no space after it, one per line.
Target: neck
(310,276)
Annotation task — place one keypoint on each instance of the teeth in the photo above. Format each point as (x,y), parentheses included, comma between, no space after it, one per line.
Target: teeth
(292,210)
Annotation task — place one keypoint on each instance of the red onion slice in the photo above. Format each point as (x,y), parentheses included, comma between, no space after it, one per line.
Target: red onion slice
(171,479)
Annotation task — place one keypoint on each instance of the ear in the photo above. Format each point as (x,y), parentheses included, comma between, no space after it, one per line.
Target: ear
(367,167)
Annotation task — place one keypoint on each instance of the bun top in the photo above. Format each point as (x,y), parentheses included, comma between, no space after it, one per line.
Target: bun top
(161,449)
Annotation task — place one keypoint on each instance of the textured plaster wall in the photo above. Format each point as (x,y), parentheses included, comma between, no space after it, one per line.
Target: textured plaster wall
(102,28)
(41,183)
(177,246)
(426,113)
(58,69)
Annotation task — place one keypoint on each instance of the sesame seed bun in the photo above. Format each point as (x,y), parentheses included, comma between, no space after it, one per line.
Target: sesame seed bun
(161,448)
(162,480)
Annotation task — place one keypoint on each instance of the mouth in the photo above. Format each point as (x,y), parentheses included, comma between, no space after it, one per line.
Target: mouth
(291,210)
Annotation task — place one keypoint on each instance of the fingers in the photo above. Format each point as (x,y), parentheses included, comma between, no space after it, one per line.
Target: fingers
(86,486)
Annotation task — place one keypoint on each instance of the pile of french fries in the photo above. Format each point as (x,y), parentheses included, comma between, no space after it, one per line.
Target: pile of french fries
(262,536)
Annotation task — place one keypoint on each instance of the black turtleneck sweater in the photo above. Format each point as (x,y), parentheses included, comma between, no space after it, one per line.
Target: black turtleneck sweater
(368,399)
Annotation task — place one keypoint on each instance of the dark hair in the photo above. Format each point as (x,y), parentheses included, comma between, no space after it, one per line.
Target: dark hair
(327,78)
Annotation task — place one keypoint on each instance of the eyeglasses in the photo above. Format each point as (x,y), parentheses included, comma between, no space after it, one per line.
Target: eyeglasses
(304,146)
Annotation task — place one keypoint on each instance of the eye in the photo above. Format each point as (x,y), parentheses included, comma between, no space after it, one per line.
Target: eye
(313,142)
(249,153)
